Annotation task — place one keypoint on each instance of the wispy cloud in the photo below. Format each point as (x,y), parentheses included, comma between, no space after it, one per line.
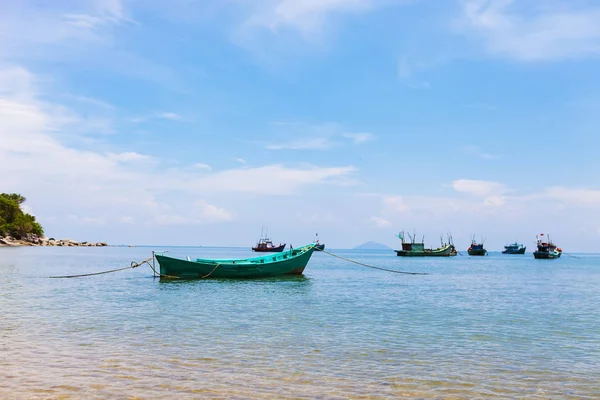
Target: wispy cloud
(359,138)
(579,196)
(380,222)
(315,137)
(203,166)
(406,74)
(479,188)
(535,31)
(129,157)
(200,213)
(307,17)
(478,152)
(170,115)
(104,186)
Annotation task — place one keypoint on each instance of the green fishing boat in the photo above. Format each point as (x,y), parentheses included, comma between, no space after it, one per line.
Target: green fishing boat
(291,262)
(414,249)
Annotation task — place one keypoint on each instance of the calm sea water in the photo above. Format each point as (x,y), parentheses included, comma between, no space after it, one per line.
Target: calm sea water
(488,327)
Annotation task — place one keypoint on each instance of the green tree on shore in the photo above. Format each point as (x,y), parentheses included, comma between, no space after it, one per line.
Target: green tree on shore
(13,221)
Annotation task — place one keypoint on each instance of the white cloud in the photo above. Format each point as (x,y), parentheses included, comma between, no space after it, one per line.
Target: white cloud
(380,222)
(535,31)
(306,16)
(574,195)
(200,213)
(129,157)
(52,24)
(359,138)
(91,101)
(314,137)
(211,213)
(494,201)
(270,179)
(479,188)
(95,187)
(395,204)
(203,166)
(241,161)
(170,115)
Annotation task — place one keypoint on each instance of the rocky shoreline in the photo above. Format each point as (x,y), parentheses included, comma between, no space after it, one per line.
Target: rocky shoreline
(34,240)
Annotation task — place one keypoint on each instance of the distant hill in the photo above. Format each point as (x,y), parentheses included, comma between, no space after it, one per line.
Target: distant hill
(372,246)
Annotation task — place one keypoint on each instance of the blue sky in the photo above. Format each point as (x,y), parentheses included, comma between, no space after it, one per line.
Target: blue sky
(199,122)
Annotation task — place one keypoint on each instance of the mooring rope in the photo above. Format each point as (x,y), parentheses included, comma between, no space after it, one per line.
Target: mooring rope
(133,265)
(147,261)
(373,266)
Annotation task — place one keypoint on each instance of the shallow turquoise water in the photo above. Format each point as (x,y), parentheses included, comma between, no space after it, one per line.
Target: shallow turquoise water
(482,327)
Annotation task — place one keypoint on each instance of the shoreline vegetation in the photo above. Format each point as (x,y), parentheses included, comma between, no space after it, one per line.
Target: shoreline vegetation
(17,228)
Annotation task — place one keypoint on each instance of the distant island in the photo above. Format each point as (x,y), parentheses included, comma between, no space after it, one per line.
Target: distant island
(17,228)
(372,246)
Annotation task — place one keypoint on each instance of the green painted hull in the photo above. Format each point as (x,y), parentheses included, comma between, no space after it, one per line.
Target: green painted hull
(288,262)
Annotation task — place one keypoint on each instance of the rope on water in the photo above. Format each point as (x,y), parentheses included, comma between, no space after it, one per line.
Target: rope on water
(567,254)
(133,265)
(372,266)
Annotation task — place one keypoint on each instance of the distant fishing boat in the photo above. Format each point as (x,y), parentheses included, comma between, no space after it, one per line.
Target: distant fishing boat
(476,249)
(546,249)
(413,249)
(453,251)
(265,245)
(514,248)
(319,246)
(291,262)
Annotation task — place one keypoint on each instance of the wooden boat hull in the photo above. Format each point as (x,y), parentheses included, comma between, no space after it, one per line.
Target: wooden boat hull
(290,262)
(544,255)
(320,247)
(275,249)
(477,252)
(445,251)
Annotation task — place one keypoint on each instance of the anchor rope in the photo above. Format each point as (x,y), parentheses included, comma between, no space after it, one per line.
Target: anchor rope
(373,266)
(133,265)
